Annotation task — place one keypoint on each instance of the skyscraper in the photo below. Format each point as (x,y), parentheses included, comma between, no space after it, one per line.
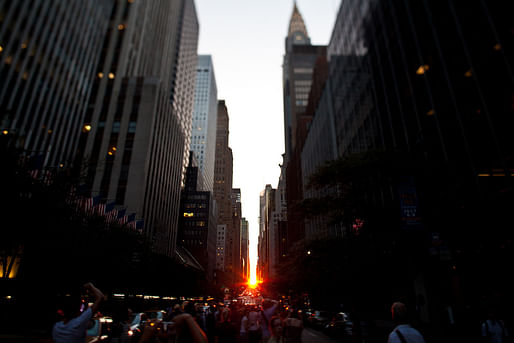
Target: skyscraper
(228,200)
(203,134)
(46,76)
(197,224)
(299,65)
(141,116)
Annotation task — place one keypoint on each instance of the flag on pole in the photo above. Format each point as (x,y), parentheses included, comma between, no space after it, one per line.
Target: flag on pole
(122,219)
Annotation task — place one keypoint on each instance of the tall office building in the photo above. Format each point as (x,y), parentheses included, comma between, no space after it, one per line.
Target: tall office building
(203,134)
(223,193)
(267,240)
(245,249)
(234,247)
(428,85)
(197,224)
(48,54)
(141,113)
(299,65)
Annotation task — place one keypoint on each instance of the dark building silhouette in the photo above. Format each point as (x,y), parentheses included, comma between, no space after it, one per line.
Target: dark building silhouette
(300,61)
(197,225)
(429,85)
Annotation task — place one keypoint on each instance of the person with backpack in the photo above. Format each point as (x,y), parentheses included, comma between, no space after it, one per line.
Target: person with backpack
(403,332)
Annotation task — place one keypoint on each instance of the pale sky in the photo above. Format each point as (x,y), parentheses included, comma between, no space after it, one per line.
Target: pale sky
(246,39)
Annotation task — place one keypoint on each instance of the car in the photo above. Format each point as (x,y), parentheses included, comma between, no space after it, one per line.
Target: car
(318,319)
(98,329)
(340,327)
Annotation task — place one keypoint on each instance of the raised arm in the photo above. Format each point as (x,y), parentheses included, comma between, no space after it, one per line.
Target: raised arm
(98,295)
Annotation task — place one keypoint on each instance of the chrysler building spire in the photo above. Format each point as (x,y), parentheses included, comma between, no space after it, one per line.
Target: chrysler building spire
(297,31)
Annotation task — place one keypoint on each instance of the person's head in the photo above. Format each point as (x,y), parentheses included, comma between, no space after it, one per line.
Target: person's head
(276,326)
(267,304)
(399,312)
(70,306)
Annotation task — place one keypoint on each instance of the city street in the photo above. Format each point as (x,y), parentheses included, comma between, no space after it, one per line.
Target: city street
(312,336)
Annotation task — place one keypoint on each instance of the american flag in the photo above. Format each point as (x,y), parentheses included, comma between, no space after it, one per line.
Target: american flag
(122,218)
(96,202)
(100,209)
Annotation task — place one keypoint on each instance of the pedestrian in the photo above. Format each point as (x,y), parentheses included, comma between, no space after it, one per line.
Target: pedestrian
(73,326)
(293,327)
(254,325)
(226,331)
(493,329)
(276,327)
(403,332)
(268,310)
(245,324)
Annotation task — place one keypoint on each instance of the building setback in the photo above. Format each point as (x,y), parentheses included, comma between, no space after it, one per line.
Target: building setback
(203,134)
(141,113)
(48,57)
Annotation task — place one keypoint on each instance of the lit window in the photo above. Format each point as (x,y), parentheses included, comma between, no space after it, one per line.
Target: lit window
(111,76)
(5,132)
(497,47)
(121,27)
(1,48)
(188,214)
(422,69)
(100,75)
(431,112)
(468,73)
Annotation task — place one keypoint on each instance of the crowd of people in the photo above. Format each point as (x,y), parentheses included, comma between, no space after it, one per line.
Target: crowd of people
(230,322)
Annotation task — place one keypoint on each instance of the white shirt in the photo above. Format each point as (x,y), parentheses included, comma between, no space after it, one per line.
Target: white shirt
(411,335)
(74,331)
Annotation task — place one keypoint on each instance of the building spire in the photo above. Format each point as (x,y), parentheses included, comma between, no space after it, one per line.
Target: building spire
(296,24)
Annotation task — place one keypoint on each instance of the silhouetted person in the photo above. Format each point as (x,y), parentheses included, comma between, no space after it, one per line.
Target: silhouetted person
(403,332)
(73,327)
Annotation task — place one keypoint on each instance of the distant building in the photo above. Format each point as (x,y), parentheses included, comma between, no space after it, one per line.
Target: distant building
(223,169)
(220,247)
(197,225)
(46,78)
(268,240)
(245,249)
(203,134)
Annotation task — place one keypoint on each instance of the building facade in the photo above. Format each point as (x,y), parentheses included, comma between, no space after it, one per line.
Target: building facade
(197,225)
(141,113)
(302,63)
(47,79)
(245,250)
(203,134)
(223,194)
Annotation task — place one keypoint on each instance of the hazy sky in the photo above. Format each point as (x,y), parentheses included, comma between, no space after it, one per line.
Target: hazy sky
(246,41)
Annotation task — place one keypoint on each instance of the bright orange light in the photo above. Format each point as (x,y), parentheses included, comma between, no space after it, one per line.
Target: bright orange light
(252,283)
